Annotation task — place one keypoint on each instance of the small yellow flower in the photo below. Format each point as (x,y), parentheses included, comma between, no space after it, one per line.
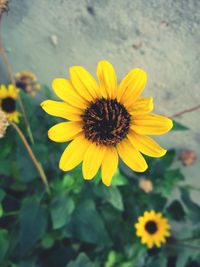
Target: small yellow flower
(105,120)
(152,228)
(3,123)
(27,81)
(8,96)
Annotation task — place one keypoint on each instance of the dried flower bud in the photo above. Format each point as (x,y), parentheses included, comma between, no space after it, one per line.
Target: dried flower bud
(27,81)
(187,157)
(3,123)
(146,185)
(3,6)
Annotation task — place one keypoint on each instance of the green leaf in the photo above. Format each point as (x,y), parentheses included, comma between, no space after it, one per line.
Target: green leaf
(47,241)
(61,210)
(193,208)
(4,243)
(176,211)
(118,179)
(2,195)
(1,210)
(87,224)
(169,158)
(68,181)
(82,260)
(113,196)
(33,222)
(166,184)
(111,259)
(177,126)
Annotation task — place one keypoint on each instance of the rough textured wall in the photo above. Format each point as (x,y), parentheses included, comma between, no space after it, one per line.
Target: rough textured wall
(163,37)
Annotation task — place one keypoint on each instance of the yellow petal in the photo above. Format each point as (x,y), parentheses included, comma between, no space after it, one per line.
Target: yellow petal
(131,87)
(107,79)
(84,83)
(142,106)
(3,92)
(151,124)
(64,89)
(131,157)
(146,145)
(73,154)
(65,131)
(13,116)
(12,91)
(92,160)
(62,110)
(109,165)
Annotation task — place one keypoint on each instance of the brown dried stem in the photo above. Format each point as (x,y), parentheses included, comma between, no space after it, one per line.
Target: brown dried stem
(32,156)
(185,111)
(12,79)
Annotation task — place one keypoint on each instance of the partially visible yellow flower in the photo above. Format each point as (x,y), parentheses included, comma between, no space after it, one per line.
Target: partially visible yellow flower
(8,97)
(3,6)
(153,228)
(3,123)
(27,81)
(105,120)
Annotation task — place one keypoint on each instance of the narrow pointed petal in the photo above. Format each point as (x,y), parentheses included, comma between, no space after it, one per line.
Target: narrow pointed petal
(142,106)
(92,160)
(65,131)
(3,92)
(151,124)
(109,165)
(146,145)
(73,154)
(107,79)
(62,110)
(64,90)
(131,157)
(12,91)
(131,87)
(84,83)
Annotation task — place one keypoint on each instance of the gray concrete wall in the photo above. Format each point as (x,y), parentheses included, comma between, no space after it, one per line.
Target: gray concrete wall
(163,37)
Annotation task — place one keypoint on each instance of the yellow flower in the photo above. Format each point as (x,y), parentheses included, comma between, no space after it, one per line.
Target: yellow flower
(3,123)
(152,228)
(105,120)
(27,81)
(8,96)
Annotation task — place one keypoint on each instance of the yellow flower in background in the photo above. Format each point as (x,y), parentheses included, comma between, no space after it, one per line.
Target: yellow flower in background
(3,123)
(152,228)
(8,97)
(106,120)
(27,81)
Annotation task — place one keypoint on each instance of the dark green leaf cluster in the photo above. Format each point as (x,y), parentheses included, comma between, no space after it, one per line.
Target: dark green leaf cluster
(85,224)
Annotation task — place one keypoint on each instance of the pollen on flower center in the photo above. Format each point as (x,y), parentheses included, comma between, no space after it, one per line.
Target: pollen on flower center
(151,227)
(106,122)
(8,104)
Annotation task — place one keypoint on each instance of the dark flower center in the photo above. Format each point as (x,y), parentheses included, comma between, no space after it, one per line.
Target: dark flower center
(151,227)
(8,104)
(106,122)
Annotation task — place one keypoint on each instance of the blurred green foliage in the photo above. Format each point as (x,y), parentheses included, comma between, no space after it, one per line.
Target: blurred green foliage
(85,224)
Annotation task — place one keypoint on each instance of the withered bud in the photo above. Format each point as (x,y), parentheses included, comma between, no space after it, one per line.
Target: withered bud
(187,157)
(27,81)
(146,185)
(3,6)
